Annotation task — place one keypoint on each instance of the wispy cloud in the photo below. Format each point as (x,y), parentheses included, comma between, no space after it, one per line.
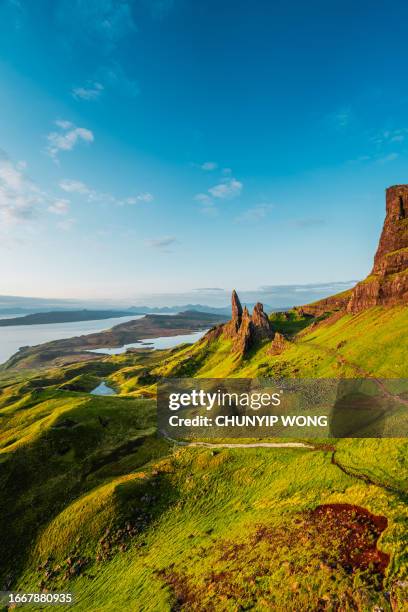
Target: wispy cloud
(255,214)
(59,207)
(207,204)
(141,197)
(91,91)
(203,198)
(20,197)
(92,195)
(208,166)
(66,138)
(73,186)
(227,189)
(161,244)
(385,137)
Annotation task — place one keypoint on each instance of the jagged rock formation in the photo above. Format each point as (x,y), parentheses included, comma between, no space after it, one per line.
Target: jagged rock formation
(232,327)
(278,344)
(261,323)
(388,282)
(245,330)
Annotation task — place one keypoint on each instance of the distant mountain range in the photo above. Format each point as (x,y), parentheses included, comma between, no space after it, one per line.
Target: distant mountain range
(38,314)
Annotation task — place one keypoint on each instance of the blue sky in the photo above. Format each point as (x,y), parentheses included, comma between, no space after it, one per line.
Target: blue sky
(157,147)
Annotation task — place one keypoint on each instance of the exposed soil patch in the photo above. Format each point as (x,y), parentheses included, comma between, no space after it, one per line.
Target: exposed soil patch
(315,559)
(358,530)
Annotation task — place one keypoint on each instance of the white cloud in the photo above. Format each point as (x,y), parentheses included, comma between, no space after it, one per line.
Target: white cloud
(78,187)
(66,139)
(208,166)
(386,136)
(19,196)
(91,91)
(160,243)
(207,204)
(254,214)
(10,176)
(203,198)
(228,189)
(74,186)
(59,207)
(141,197)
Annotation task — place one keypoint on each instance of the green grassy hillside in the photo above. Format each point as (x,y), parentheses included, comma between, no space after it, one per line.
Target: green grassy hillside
(369,343)
(94,502)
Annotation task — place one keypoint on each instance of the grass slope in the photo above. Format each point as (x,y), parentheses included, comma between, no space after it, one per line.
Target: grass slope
(370,343)
(95,503)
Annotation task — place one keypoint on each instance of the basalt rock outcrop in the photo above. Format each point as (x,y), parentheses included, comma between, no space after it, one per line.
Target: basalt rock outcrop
(387,285)
(278,344)
(244,330)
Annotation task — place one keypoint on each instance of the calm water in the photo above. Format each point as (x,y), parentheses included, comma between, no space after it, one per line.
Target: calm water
(103,389)
(162,342)
(11,338)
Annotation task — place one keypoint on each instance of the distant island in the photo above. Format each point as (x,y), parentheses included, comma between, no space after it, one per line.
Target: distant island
(76,349)
(41,318)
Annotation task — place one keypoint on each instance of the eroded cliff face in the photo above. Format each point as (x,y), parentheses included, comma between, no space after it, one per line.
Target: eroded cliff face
(387,285)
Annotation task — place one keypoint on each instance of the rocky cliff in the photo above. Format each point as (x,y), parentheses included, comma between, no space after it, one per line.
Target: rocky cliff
(388,282)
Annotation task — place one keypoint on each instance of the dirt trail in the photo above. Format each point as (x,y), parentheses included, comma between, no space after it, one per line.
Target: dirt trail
(241,444)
